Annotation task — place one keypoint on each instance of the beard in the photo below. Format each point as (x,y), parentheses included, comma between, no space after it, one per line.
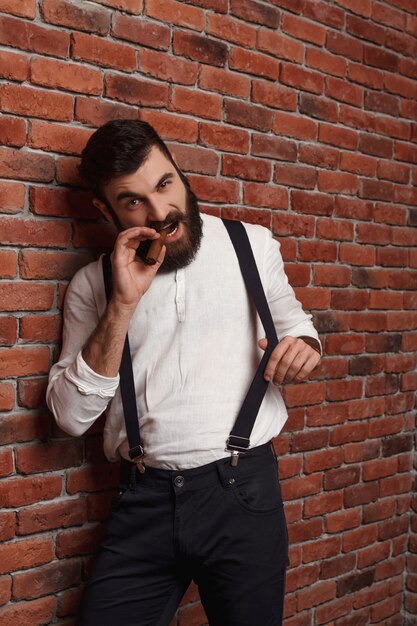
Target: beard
(180,253)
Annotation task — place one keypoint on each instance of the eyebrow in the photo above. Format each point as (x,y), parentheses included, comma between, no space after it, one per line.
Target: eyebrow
(131,194)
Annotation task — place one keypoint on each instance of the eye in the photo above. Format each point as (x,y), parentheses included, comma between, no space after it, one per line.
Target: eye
(134,202)
(164,184)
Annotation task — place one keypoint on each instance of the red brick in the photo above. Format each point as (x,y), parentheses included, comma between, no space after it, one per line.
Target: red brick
(46,579)
(36,102)
(25,165)
(65,13)
(54,138)
(337,182)
(299,487)
(130,6)
(64,75)
(373,554)
(280,46)
(356,452)
(345,92)
(14,66)
(25,8)
(61,203)
(315,203)
(171,127)
(346,46)
(334,229)
(295,176)
(133,91)
(320,156)
(34,232)
(80,541)
(305,530)
(343,520)
(373,233)
(12,131)
(382,385)
(358,164)
(223,138)
(344,344)
(247,168)
(252,11)
(12,197)
(312,393)
(193,102)
(195,159)
(332,276)
(344,390)
(214,190)
(303,441)
(322,12)
(159,65)
(300,28)
(321,549)
(341,137)
(97,50)
(96,236)
(8,263)
(39,611)
(294,225)
(177,13)
(366,76)
(379,468)
(351,116)
(385,300)
(144,33)
(325,459)
(199,48)
(325,62)
(318,107)
(317,250)
(382,103)
(8,330)
(222,81)
(357,255)
(276,96)
(378,57)
(19,34)
(51,456)
(330,367)
(25,553)
(304,79)
(294,126)
(316,594)
(23,361)
(7,396)
(391,256)
(95,113)
(261,195)
(225,27)
(361,7)
(301,577)
(248,115)
(252,216)
(31,392)
(253,63)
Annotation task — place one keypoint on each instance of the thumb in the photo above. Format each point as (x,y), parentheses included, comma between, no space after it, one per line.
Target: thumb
(262,343)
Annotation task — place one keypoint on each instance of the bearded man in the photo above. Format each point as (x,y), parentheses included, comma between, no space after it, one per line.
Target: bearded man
(168,346)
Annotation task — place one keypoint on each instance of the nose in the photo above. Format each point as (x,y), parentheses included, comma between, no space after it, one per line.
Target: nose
(157,209)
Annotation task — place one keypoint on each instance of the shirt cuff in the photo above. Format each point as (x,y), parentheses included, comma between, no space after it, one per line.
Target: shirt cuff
(312,342)
(88,382)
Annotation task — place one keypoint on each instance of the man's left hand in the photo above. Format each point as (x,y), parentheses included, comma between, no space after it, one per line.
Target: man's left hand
(292,360)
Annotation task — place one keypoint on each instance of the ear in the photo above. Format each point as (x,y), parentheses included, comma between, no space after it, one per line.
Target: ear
(103,209)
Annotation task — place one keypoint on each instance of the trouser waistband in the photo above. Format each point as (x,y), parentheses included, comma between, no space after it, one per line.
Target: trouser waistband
(197,477)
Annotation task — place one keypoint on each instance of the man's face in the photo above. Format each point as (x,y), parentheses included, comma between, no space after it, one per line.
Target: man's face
(155,196)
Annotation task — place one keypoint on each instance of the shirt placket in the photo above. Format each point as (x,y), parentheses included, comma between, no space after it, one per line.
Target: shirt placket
(180,295)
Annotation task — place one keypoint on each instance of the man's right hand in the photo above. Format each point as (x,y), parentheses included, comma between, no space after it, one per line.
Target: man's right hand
(131,277)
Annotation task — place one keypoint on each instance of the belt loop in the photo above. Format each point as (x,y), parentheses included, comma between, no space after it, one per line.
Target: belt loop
(132,482)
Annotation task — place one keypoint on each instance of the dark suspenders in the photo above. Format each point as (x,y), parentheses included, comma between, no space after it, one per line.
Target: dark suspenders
(239,438)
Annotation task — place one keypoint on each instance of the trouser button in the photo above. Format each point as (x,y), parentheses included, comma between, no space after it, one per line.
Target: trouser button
(179,481)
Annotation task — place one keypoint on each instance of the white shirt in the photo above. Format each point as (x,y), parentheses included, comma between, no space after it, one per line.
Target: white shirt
(193,340)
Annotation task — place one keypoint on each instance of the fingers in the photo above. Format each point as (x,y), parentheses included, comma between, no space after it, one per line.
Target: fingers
(292,359)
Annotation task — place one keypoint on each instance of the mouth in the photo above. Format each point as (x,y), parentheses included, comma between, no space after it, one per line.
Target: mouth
(172,230)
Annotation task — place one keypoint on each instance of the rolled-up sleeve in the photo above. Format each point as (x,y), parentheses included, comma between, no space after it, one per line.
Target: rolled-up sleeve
(76,394)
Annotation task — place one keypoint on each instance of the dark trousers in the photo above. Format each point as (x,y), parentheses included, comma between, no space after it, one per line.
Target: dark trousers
(221,526)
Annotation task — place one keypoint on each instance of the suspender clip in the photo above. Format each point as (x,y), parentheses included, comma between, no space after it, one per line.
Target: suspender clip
(136,454)
(236,448)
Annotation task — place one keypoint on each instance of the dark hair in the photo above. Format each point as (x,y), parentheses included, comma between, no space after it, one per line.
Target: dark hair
(116,148)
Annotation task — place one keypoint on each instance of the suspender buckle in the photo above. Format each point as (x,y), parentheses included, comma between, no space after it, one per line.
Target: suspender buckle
(236,448)
(136,454)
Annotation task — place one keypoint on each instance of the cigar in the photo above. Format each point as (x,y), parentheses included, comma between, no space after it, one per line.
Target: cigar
(156,247)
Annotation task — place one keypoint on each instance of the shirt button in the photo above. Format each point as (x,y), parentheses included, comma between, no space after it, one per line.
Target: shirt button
(231,481)
(179,481)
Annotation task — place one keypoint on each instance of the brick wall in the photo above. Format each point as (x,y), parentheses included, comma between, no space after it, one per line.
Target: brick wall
(296,114)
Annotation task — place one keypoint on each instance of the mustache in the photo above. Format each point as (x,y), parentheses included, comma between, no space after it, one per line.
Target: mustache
(173,216)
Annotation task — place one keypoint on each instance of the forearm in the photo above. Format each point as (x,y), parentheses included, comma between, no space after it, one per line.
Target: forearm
(103,350)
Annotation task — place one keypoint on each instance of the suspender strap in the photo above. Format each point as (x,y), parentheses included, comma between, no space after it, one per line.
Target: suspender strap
(127,384)
(239,438)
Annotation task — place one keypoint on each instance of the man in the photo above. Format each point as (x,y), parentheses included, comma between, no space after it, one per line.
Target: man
(185,512)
